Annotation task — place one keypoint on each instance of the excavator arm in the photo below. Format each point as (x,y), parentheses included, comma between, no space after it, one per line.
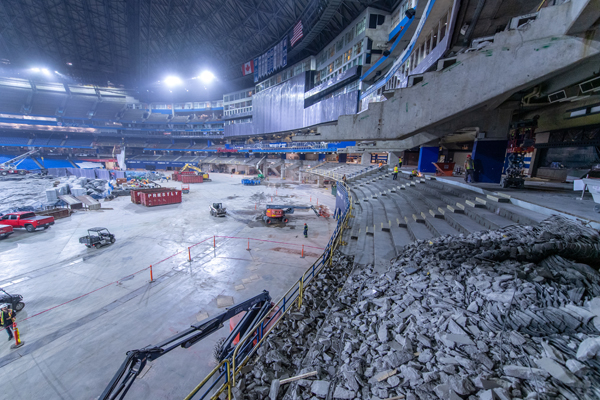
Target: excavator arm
(256,308)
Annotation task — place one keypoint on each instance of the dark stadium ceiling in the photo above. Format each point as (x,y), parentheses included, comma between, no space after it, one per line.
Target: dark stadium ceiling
(135,42)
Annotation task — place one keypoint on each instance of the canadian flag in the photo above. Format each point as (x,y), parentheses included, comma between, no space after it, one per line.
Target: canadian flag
(248,68)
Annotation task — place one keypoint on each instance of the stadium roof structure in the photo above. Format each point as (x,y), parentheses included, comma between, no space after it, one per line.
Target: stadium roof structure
(133,42)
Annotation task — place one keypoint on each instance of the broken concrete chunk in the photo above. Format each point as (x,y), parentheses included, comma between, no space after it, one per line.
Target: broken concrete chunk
(516,371)
(320,388)
(589,348)
(341,393)
(459,339)
(557,371)
(576,367)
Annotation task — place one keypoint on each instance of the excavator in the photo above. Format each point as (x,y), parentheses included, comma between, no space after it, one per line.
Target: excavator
(251,311)
(198,171)
(278,213)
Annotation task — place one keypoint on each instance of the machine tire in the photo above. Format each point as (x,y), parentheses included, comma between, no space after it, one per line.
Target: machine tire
(112,240)
(3,173)
(29,228)
(20,305)
(46,227)
(22,172)
(268,221)
(96,246)
(285,220)
(88,246)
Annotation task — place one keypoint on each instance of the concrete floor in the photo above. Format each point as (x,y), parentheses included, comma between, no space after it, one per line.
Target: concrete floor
(72,351)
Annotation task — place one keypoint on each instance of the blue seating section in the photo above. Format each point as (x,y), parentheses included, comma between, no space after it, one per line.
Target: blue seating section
(78,143)
(28,163)
(39,142)
(13,141)
(55,163)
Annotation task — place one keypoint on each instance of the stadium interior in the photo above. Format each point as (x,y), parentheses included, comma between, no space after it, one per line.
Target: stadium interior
(414,183)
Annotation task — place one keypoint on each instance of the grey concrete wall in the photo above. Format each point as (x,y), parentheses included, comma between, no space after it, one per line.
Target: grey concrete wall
(477,83)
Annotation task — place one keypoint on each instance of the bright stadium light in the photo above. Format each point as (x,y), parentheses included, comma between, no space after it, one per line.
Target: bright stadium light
(35,70)
(172,81)
(207,77)
(45,71)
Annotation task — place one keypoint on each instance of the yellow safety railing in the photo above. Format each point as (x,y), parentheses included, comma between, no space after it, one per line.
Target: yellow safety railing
(250,343)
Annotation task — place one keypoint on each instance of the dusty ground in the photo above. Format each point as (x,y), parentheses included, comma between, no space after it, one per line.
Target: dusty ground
(73,350)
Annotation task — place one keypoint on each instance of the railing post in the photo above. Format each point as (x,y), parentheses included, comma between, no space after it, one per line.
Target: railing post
(300,293)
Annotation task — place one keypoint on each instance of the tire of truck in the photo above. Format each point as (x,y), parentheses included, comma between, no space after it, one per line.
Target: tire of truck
(22,172)
(3,173)
(112,239)
(20,305)
(268,221)
(46,227)
(285,220)
(30,228)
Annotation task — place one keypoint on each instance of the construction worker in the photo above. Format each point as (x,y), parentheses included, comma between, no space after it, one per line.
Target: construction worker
(380,165)
(399,162)
(395,174)
(305,230)
(469,169)
(344,178)
(7,319)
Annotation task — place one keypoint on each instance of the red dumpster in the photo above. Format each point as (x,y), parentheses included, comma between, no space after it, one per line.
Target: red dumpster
(191,179)
(156,197)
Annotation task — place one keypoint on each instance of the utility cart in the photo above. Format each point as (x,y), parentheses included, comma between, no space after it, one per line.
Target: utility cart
(97,237)
(217,210)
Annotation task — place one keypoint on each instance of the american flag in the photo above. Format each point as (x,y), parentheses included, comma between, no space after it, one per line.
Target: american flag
(296,33)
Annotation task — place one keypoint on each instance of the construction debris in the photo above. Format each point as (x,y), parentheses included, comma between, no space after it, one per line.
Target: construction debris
(507,314)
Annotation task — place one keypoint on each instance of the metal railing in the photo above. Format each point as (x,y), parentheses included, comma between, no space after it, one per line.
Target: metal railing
(249,344)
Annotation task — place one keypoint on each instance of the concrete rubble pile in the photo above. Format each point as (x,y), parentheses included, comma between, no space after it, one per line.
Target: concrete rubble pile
(464,317)
(284,351)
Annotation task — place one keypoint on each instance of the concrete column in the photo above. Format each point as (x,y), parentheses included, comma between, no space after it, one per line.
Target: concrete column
(342,157)
(488,156)
(393,158)
(320,181)
(427,156)
(365,159)
(283,170)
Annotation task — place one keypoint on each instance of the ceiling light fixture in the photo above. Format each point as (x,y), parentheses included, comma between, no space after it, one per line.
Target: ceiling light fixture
(207,77)
(172,81)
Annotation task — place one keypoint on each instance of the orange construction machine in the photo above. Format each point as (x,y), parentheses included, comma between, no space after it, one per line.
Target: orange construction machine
(278,213)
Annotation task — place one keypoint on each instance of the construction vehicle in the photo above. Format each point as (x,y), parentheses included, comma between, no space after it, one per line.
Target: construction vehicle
(217,210)
(253,309)
(185,189)
(97,237)
(199,172)
(11,167)
(15,300)
(278,213)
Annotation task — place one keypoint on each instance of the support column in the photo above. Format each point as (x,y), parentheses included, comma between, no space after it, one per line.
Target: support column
(393,158)
(427,156)
(342,158)
(365,159)
(320,181)
(488,156)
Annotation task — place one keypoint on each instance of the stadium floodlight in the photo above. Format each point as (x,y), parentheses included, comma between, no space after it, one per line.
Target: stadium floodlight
(207,77)
(35,69)
(45,71)
(172,81)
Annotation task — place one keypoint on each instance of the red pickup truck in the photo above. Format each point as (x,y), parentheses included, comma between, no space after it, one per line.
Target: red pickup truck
(27,220)
(5,231)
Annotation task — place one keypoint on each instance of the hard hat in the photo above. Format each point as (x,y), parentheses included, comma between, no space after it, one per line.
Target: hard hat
(5,305)
(305,223)
(468,156)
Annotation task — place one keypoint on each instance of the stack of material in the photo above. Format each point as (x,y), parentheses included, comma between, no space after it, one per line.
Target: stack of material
(51,195)
(457,318)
